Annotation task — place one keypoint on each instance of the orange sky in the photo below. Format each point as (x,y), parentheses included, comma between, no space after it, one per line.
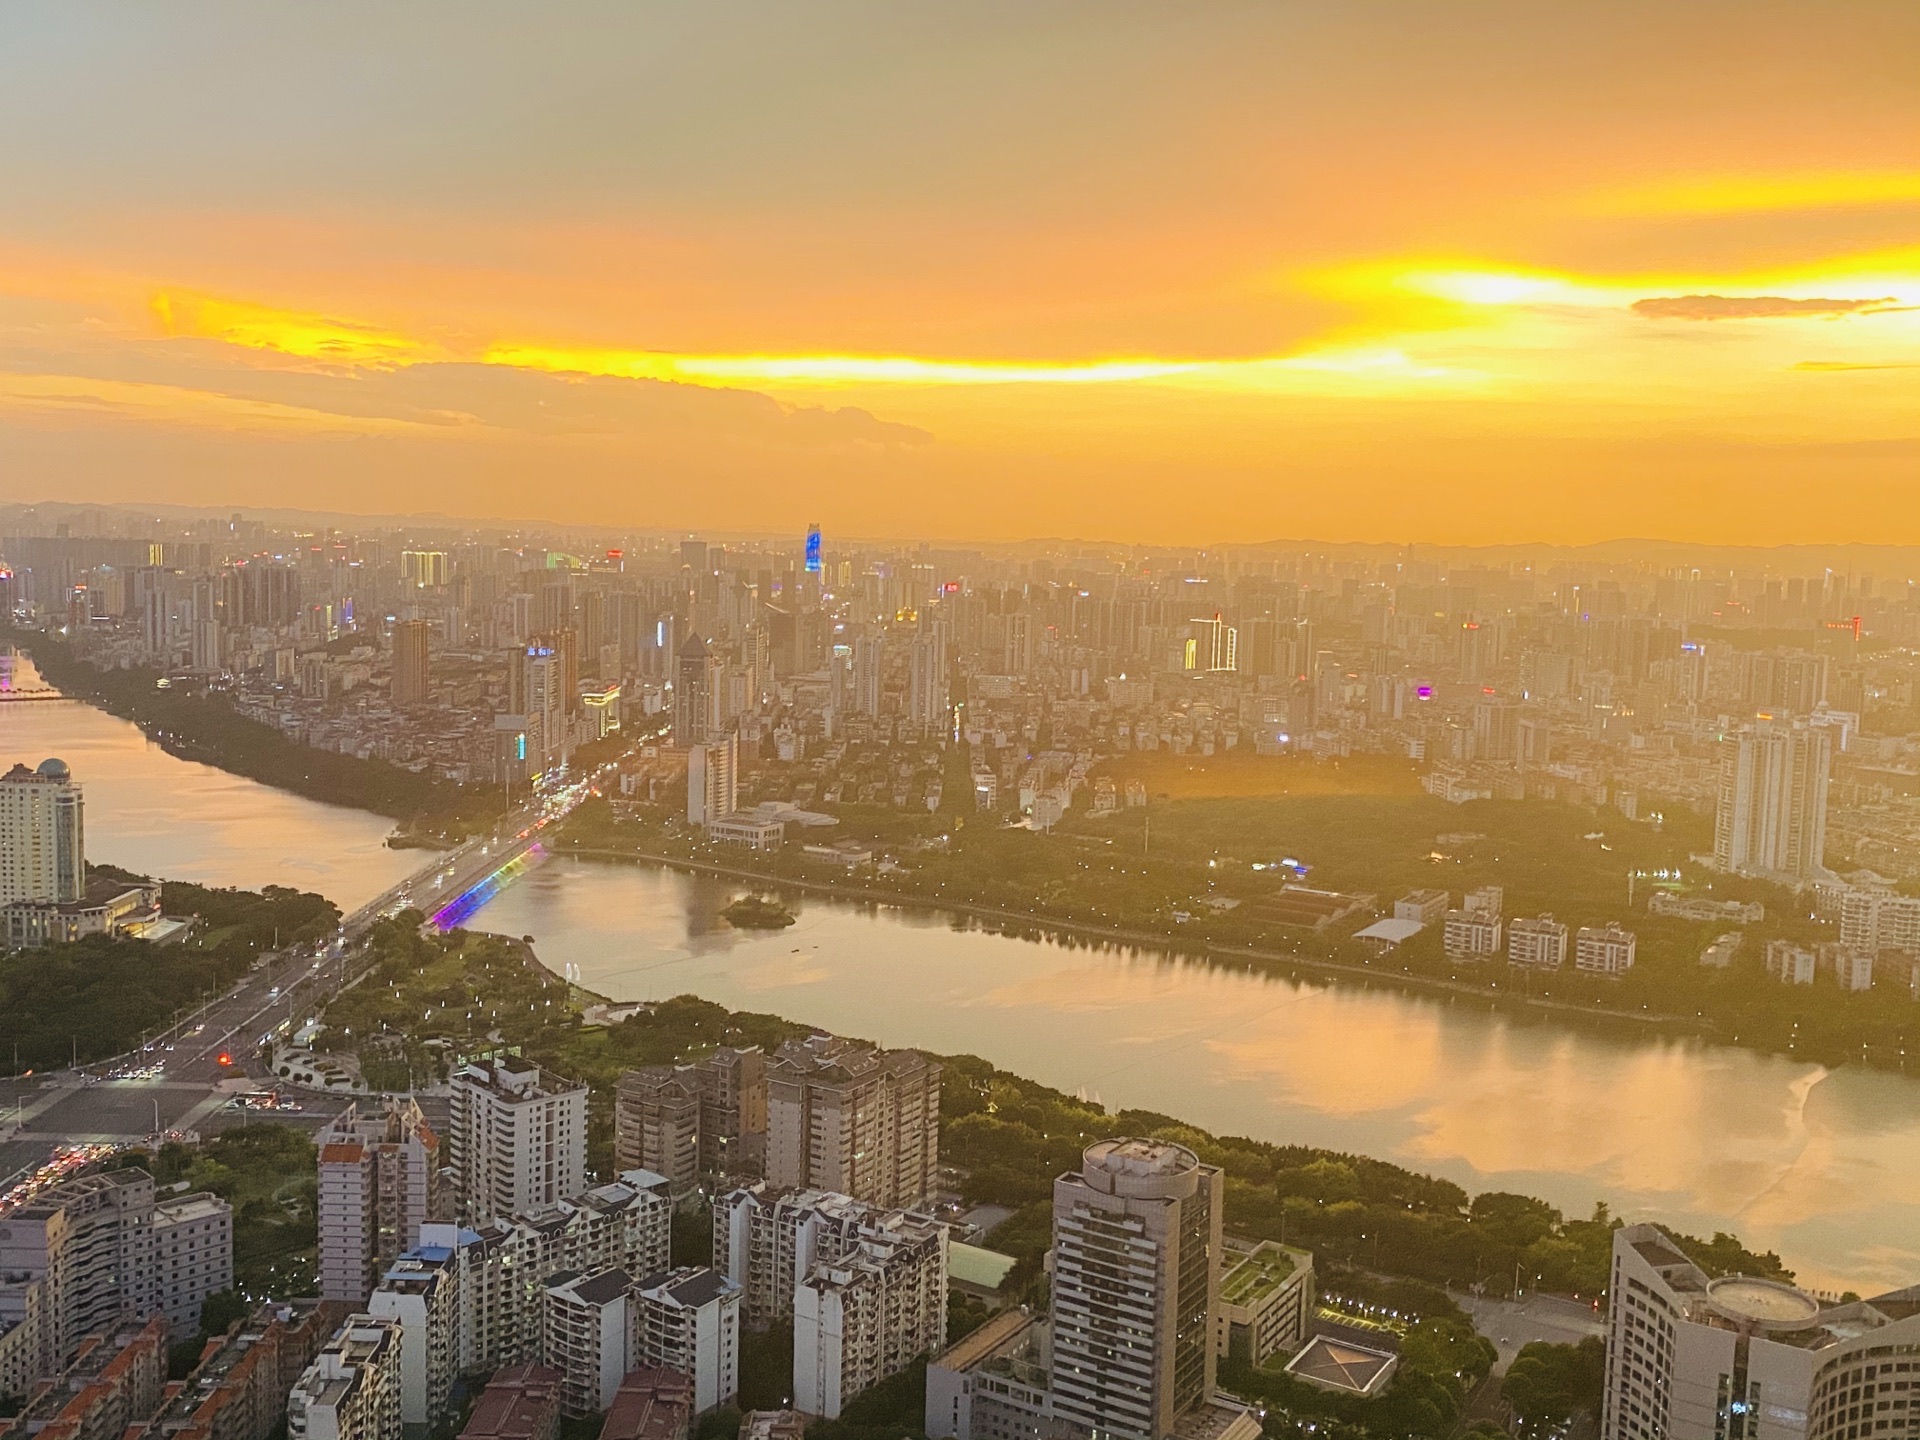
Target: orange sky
(1476,272)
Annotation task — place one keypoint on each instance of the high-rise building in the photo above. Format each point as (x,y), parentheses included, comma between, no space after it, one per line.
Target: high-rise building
(1212,645)
(1137,1246)
(352,1389)
(853,1120)
(377,1181)
(682,1121)
(713,780)
(927,688)
(1690,1357)
(537,692)
(87,1244)
(424,569)
(587,1330)
(693,686)
(689,1320)
(866,1314)
(869,673)
(42,835)
(514,1142)
(421,1294)
(192,1255)
(501,1263)
(411,675)
(1771,819)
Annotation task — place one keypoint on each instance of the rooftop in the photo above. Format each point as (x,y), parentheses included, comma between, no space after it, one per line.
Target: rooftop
(1342,1365)
(1257,1276)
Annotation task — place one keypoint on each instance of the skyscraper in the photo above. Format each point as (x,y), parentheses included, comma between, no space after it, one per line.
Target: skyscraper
(927,678)
(692,692)
(410,662)
(1137,1243)
(869,659)
(1772,813)
(42,835)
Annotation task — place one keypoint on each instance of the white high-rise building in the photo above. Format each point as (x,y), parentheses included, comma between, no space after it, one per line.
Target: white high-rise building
(869,670)
(501,1263)
(42,835)
(377,1180)
(689,1320)
(513,1142)
(88,1245)
(588,1337)
(1738,1358)
(1772,814)
(866,1314)
(1136,1274)
(713,780)
(421,1293)
(927,688)
(352,1389)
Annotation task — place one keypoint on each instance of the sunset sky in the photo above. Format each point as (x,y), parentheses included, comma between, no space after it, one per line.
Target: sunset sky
(1398,271)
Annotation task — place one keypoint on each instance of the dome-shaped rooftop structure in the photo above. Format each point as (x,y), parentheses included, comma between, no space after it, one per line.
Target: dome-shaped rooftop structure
(55,769)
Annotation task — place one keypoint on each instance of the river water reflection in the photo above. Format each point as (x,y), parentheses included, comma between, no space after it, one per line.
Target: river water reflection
(1823,1166)
(157,815)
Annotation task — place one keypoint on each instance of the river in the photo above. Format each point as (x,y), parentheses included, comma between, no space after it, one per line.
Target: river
(152,813)
(1823,1166)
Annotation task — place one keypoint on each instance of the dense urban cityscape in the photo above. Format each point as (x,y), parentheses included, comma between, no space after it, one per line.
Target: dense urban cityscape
(994,722)
(653,1243)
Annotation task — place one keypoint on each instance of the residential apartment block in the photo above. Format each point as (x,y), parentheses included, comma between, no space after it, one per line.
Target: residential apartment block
(853,1120)
(351,1391)
(378,1181)
(514,1141)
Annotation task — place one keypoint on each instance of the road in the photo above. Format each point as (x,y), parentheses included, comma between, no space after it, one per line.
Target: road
(185,1077)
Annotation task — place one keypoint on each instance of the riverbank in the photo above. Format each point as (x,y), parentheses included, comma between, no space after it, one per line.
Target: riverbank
(1027,926)
(206,730)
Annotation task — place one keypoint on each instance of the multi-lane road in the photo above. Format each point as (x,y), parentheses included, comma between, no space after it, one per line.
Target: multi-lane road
(188,1076)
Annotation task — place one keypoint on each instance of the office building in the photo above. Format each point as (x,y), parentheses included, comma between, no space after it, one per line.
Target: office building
(515,1141)
(652,1403)
(694,683)
(1213,645)
(378,1183)
(521,1402)
(1738,1358)
(682,1121)
(853,1120)
(192,1255)
(87,1244)
(351,1391)
(501,1263)
(1266,1303)
(421,1294)
(1423,907)
(1771,815)
(1136,1272)
(42,835)
(1471,935)
(868,1312)
(587,1335)
(1537,944)
(689,1320)
(1603,950)
(713,780)
(410,683)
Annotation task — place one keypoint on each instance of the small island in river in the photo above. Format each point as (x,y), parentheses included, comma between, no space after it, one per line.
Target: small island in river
(756,912)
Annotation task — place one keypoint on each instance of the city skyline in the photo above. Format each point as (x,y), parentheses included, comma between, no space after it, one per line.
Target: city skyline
(1507,274)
